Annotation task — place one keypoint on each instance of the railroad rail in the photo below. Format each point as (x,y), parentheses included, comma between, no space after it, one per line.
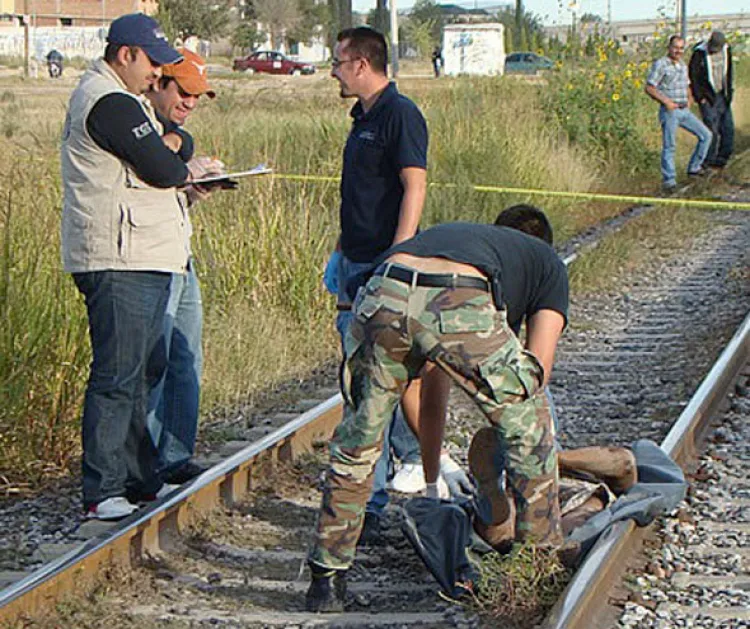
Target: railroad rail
(145,532)
(586,595)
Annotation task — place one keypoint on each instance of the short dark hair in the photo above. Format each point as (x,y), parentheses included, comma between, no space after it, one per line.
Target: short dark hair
(528,219)
(367,43)
(110,52)
(674,38)
(164,81)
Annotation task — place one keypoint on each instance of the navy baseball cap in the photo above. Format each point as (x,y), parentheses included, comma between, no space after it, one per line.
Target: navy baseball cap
(138,29)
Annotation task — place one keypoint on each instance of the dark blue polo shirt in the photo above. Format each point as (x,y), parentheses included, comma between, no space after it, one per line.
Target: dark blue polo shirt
(388,138)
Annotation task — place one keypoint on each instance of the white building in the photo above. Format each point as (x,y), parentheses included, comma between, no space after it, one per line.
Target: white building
(473,49)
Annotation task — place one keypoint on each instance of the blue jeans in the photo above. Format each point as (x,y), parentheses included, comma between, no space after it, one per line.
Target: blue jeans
(174,400)
(398,438)
(670,121)
(126,320)
(718,118)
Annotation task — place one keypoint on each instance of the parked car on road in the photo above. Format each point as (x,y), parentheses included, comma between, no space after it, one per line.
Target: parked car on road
(526,63)
(271,62)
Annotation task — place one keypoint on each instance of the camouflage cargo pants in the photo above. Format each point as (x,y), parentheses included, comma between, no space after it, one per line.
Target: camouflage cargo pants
(397,327)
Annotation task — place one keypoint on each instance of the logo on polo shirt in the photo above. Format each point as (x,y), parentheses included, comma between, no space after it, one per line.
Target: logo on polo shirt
(367,135)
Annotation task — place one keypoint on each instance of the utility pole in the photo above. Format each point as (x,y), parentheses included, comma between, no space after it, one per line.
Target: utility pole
(26,38)
(394,39)
(683,23)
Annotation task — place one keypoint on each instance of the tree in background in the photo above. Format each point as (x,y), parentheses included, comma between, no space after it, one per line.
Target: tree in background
(207,19)
(520,34)
(315,19)
(340,17)
(247,36)
(428,15)
(530,34)
(278,17)
(379,19)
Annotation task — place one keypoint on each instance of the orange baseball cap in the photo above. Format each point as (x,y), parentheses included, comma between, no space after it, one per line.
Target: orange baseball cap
(190,73)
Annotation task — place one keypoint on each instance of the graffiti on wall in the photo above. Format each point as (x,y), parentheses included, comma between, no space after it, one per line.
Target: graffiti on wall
(86,41)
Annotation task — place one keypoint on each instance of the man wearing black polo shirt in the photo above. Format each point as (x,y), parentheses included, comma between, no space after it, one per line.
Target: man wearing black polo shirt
(451,296)
(383,187)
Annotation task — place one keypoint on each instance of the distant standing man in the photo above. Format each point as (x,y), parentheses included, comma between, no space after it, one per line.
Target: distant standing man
(437,61)
(712,87)
(174,400)
(124,232)
(668,84)
(383,189)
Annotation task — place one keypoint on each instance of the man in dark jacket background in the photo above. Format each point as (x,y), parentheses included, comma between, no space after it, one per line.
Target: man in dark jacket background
(711,84)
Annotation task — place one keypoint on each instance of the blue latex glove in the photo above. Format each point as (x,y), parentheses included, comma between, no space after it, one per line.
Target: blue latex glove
(331,274)
(455,478)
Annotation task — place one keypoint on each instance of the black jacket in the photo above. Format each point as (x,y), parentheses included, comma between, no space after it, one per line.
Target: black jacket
(698,69)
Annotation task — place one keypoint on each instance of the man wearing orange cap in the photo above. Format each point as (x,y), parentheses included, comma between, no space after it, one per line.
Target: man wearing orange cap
(174,400)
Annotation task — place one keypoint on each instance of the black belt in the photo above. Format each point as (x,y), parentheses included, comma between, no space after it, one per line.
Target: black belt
(433,280)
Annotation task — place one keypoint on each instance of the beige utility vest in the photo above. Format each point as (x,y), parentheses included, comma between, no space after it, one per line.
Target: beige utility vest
(111,219)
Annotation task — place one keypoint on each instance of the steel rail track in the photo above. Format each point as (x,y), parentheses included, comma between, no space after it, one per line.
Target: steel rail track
(144,532)
(127,542)
(149,529)
(585,597)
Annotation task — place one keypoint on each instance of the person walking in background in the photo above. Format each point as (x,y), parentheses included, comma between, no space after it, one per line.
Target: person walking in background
(174,400)
(668,84)
(437,61)
(124,231)
(383,189)
(54,64)
(712,86)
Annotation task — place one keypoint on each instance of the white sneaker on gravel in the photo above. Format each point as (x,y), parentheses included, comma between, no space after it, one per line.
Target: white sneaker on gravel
(409,479)
(111,509)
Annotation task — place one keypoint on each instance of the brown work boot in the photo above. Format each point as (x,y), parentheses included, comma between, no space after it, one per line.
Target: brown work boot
(614,466)
(499,536)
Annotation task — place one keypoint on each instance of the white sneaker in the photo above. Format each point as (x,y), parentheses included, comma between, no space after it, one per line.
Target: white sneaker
(409,479)
(111,509)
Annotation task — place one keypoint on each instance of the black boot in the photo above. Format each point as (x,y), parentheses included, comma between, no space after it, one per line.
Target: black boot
(327,590)
(370,535)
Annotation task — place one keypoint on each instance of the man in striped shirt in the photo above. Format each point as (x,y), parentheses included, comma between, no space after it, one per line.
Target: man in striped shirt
(668,84)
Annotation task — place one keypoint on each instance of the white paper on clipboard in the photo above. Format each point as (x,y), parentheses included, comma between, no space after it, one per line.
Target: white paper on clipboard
(260,169)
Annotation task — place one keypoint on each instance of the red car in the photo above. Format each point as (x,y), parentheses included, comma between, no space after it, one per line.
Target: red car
(271,62)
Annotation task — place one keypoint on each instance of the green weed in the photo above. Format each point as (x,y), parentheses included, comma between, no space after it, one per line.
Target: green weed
(522,584)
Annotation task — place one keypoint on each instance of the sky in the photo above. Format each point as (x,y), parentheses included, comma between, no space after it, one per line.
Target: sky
(557,12)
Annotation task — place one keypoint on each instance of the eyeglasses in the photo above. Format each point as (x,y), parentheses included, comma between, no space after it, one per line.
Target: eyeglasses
(335,63)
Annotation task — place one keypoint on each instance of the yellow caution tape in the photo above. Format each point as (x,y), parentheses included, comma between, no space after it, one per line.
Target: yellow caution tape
(595,196)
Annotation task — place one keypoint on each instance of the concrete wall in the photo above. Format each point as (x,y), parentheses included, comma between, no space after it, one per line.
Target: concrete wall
(473,49)
(87,42)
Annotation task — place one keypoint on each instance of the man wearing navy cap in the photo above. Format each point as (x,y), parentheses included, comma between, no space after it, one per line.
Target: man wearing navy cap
(125,232)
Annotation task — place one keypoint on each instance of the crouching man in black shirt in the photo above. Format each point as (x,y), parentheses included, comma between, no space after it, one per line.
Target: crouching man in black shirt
(453,296)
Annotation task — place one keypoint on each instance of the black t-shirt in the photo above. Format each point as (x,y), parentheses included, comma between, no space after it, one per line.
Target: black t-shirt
(531,274)
(118,125)
(391,136)
(187,148)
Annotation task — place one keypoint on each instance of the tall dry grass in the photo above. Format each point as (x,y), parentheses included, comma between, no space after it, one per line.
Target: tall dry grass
(261,249)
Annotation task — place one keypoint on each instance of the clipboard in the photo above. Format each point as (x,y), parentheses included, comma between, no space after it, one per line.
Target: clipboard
(229,179)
